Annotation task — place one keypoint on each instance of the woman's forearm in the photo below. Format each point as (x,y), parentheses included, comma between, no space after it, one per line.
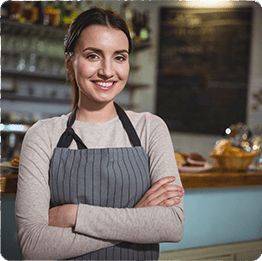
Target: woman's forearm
(150,221)
(137,225)
(38,240)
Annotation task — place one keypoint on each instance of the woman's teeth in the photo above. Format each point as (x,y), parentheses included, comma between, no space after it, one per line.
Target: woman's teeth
(104,84)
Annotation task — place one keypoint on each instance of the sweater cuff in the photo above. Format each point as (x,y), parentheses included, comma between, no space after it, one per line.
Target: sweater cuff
(89,219)
(82,215)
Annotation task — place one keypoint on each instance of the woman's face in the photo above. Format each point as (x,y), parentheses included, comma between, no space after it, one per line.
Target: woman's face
(100,63)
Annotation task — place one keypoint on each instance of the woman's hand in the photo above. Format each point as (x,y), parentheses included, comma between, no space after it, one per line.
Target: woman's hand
(162,194)
(63,216)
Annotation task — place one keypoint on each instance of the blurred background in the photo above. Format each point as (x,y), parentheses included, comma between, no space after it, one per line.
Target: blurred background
(195,64)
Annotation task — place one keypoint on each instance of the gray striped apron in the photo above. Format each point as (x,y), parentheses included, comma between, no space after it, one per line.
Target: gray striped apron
(106,177)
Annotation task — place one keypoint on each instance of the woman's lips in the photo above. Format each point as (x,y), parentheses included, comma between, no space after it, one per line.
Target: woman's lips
(104,86)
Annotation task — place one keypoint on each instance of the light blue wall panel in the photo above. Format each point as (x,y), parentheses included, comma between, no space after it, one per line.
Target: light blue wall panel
(216,216)
(220,216)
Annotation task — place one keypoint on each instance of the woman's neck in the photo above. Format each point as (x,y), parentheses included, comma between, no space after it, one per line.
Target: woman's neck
(96,112)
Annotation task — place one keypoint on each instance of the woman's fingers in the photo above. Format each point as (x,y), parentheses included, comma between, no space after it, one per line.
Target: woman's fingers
(166,197)
(169,202)
(162,193)
(159,184)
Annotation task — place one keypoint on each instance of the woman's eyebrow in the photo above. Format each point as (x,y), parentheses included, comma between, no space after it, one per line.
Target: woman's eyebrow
(93,49)
(100,51)
(121,51)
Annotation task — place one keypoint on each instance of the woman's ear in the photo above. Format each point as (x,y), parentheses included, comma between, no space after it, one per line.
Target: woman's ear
(69,65)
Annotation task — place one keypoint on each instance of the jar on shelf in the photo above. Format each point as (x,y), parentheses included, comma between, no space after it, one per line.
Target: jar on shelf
(51,15)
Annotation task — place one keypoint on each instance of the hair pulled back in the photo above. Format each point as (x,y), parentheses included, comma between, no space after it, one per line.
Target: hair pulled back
(93,16)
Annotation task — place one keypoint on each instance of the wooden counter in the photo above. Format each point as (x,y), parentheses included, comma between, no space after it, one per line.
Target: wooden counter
(216,178)
(8,183)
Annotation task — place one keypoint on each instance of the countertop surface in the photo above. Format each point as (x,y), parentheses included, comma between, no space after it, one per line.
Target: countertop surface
(217,178)
(211,178)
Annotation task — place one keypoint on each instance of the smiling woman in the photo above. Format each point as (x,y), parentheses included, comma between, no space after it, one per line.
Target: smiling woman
(99,66)
(99,183)
(107,18)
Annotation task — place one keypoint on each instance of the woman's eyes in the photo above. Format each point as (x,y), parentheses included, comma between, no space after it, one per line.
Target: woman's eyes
(94,57)
(120,58)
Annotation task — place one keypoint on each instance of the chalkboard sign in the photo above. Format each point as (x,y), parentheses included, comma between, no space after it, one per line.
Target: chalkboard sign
(203,68)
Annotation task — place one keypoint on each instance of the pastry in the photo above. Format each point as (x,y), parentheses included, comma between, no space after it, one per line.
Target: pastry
(224,148)
(180,159)
(15,161)
(221,147)
(195,159)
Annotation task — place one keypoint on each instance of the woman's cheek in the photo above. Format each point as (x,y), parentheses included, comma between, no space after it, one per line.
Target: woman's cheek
(88,69)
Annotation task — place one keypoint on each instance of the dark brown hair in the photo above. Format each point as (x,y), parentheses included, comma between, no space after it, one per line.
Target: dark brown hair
(93,16)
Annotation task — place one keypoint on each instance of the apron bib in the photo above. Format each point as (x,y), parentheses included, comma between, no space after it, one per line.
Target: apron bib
(106,177)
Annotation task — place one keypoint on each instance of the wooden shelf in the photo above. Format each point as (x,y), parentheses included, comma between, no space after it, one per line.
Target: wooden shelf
(216,178)
(25,74)
(17,28)
(14,97)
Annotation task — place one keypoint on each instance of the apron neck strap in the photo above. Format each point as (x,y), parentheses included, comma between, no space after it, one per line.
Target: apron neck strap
(69,133)
(128,126)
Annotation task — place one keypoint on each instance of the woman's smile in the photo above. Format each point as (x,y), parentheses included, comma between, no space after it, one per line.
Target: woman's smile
(105,85)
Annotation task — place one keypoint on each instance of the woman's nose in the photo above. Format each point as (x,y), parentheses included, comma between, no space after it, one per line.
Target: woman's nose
(106,69)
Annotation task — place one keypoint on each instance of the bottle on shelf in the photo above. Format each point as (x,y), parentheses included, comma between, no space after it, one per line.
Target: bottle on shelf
(15,10)
(39,19)
(137,25)
(29,12)
(67,19)
(51,15)
(145,31)
(127,14)
(34,16)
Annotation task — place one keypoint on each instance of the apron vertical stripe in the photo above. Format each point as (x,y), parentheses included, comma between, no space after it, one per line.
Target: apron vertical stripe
(72,180)
(60,180)
(126,178)
(80,177)
(85,177)
(101,178)
(93,183)
(140,172)
(134,171)
(96,178)
(122,179)
(114,184)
